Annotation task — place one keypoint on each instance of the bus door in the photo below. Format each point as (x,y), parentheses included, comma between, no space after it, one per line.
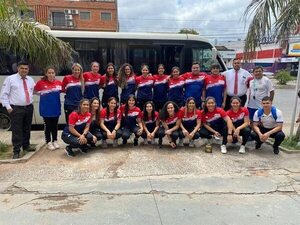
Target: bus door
(172,55)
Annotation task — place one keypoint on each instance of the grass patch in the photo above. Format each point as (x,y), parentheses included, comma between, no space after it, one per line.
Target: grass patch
(6,151)
(291,143)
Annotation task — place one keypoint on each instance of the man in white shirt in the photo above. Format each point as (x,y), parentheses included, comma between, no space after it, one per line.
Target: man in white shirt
(267,122)
(17,97)
(237,83)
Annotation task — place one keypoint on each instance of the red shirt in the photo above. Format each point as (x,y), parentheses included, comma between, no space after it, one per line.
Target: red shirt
(149,120)
(214,118)
(238,117)
(171,121)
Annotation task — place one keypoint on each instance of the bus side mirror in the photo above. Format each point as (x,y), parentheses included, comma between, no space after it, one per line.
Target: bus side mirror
(214,54)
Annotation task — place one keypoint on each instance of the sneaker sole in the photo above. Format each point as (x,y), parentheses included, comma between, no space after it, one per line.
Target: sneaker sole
(69,154)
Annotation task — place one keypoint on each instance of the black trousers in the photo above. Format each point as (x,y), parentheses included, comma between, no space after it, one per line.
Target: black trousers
(68,109)
(245,133)
(278,136)
(73,141)
(196,135)
(161,133)
(21,120)
(50,128)
(127,131)
(228,98)
(118,134)
(204,133)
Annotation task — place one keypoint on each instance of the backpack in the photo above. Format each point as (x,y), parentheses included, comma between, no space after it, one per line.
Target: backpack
(260,112)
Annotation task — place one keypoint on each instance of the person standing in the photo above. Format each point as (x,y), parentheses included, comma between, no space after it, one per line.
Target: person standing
(259,87)
(144,87)
(267,122)
(160,88)
(49,90)
(176,87)
(194,84)
(92,81)
(237,80)
(72,85)
(17,97)
(110,84)
(126,79)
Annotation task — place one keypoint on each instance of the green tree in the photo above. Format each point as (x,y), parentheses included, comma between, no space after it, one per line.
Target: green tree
(188,31)
(28,40)
(271,17)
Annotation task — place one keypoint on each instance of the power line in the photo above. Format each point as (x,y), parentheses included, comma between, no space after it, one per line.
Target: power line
(178,20)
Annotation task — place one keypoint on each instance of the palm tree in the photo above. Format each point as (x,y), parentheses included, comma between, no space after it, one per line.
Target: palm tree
(27,40)
(277,18)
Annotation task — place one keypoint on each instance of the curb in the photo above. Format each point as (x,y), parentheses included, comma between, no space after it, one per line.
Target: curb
(25,158)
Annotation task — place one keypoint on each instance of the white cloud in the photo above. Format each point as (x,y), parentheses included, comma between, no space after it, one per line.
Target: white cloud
(211,18)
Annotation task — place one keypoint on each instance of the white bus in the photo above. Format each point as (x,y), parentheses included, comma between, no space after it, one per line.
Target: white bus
(135,48)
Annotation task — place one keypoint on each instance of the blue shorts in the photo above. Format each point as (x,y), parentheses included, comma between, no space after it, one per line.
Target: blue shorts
(251,113)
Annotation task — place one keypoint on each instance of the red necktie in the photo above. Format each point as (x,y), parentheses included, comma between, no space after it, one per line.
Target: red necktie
(26,91)
(236,83)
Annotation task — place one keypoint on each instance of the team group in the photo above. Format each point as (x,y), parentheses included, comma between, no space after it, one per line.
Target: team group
(151,106)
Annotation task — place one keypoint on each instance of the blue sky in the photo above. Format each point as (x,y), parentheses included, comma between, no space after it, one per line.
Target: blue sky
(214,19)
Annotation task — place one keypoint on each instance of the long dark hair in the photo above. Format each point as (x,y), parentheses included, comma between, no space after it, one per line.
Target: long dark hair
(205,109)
(235,98)
(122,77)
(114,74)
(186,106)
(115,109)
(80,103)
(174,68)
(145,113)
(46,70)
(126,104)
(97,111)
(164,113)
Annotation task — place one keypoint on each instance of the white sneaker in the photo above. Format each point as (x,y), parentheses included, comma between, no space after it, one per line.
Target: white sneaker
(115,143)
(223,149)
(56,145)
(242,149)
(191,144)
(180,143)
(104,144)
(153,142)
(50,146)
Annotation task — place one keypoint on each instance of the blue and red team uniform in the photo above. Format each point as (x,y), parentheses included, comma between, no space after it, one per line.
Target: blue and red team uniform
(129,122)
(144,90)
(91,85)
(72,87)
(189,121)
(110,122)
(49,105)
(215,120)
(193,85)
(150,124)
(160,90)
(110,89)
(237,119)
(130,89)
(175,94)
(215,86)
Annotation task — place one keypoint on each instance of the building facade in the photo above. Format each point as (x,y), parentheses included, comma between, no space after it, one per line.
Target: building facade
(90,15)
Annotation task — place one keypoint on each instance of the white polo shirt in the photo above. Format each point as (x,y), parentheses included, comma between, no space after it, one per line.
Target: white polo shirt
(259,88)
(268,121)
(243,77)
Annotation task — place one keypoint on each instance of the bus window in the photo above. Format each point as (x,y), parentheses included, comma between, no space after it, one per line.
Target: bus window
(140,55)
(119,52)
(204,57)
(171,56)
(88,52)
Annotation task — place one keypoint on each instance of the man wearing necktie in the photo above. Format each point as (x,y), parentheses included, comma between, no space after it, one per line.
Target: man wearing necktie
(17,97)
(237,80)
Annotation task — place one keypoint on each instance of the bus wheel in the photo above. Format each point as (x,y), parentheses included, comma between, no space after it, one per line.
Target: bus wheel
(5,121)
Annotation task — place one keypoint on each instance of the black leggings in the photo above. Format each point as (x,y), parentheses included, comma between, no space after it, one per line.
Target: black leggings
(245,133)
(50,128)
(204,133)
(278,136)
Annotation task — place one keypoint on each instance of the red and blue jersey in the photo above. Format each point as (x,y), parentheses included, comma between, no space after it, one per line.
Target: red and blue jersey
(171,121)
(79,121)
(214,119)
(111,121)
(110,88)
(91,85)
(150,123)
(72,87)
(49,92)
(189,119)
(130,120)
(215,86)
(176,89)
(193,85)
(130,89)
(160,88)
(144,87)
(237,118)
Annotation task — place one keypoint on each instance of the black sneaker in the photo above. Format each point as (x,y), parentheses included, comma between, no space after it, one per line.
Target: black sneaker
(124,142)
(30,148)
(69,151)
(276,150)
(160,143)
(83,150)
(16,155)
(258,145)
(135,142)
